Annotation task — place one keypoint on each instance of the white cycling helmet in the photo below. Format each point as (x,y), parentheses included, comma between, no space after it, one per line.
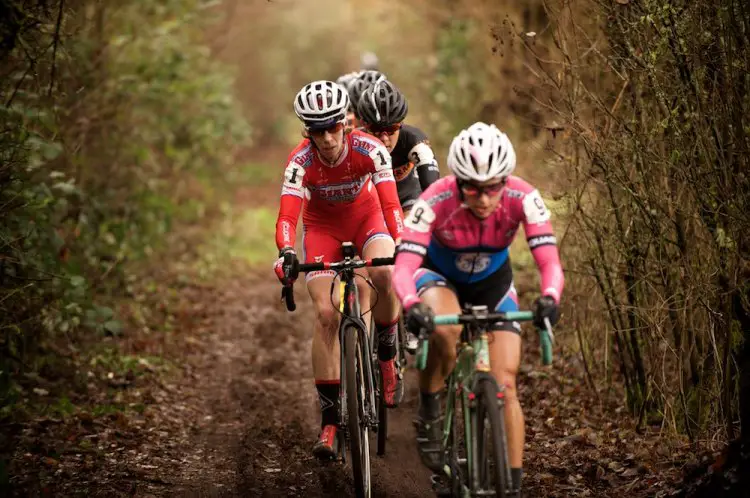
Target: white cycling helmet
(321,104)
(480,153)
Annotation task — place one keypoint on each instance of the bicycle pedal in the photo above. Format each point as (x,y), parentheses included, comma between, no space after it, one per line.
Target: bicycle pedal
(439,487)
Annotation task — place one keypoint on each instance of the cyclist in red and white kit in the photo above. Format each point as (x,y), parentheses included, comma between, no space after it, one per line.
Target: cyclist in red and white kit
(454,251)
(343,183)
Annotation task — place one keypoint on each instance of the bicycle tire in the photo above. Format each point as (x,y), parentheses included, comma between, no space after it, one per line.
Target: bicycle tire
(456,455)
(490,423)
(382,417)
(358,443)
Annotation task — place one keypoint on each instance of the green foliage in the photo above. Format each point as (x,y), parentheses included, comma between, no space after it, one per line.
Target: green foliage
(97,164)
(458,80)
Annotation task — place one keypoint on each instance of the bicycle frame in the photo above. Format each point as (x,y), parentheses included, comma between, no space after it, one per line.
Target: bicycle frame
(349,308)
(472,365)
(472,362)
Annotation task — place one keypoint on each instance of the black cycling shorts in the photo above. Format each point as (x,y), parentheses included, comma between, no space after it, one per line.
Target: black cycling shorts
(497,292)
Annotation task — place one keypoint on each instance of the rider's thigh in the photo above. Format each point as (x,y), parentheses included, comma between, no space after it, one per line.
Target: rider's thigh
(319,288)
(380,247)
(505,358)
(443,301)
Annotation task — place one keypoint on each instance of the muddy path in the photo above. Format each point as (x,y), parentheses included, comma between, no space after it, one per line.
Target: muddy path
(263,407)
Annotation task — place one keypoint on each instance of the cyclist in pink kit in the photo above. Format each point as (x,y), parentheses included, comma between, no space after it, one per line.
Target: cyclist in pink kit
(454,251)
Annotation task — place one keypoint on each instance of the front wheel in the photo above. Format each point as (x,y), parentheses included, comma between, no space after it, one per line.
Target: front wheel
(382,416)
(356,427)
(491,466)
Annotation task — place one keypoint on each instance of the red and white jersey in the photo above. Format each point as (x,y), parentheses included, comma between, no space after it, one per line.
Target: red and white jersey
(360,182)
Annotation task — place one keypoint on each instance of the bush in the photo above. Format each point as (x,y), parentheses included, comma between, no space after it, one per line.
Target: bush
(111,111)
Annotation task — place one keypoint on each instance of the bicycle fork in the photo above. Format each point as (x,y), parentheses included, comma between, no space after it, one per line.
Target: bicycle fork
(349,307)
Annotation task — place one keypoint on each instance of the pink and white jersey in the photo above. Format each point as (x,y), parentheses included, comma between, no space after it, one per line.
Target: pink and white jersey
(466,249)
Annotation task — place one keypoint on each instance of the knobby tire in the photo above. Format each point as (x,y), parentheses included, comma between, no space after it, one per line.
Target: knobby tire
(358,443)
(489,427)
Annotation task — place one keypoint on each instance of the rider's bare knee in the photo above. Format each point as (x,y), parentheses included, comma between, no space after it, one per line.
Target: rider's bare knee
(507,378)
(445,338)
(328,319)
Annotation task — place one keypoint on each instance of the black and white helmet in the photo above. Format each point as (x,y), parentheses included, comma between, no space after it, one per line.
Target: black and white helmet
(346,79)
(321,104)
(382,104)
(480,153)
(361,82)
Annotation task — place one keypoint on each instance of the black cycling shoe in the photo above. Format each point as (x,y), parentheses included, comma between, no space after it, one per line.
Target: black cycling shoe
(429,442)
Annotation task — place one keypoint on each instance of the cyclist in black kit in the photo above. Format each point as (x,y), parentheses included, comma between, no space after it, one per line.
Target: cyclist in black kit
(382,109)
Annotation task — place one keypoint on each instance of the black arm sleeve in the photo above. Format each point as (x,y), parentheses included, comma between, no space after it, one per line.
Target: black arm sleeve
(428,173)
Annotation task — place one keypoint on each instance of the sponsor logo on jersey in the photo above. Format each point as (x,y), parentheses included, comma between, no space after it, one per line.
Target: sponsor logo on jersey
(542,240)
(382,176)
(513,193)
(304,157)
(341,191)
(412,248)
(398,214)
(364,147)
(475,262)
(318,259)
(440,197)
(402,172)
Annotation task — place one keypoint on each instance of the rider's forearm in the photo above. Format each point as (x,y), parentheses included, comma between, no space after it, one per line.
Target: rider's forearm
(394,216)
(286,223)
(408,260)
(427,173)
(548,261)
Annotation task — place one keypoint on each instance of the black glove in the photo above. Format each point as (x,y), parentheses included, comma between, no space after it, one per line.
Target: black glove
(287,266)
(419,317)
(545,307)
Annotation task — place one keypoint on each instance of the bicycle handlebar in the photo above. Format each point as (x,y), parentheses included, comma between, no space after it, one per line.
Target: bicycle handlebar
(350,264)
(290,273)
(508,316)
(545,334)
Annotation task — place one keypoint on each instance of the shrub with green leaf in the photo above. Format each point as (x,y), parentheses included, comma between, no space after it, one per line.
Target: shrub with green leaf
(111,110)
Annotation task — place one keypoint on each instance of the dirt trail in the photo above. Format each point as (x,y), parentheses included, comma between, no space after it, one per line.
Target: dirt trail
(263,409)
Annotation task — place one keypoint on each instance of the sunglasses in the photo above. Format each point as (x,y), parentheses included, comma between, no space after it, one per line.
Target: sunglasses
(472,190)
(319,132)
(378,130)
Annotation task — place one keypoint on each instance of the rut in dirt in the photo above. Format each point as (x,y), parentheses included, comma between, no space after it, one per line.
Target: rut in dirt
(262,394)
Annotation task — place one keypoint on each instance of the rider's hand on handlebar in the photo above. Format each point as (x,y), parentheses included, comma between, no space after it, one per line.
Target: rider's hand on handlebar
(545,307)
(419,316)
(287,264)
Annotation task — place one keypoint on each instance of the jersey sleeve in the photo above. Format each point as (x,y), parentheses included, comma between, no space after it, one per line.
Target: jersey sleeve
(385,183)
(543,244)
(413,248)
(292,195)
(423,157)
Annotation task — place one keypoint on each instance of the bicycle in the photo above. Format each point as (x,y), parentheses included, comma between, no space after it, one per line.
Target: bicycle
(358,410)
(473,392)
(400,367)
